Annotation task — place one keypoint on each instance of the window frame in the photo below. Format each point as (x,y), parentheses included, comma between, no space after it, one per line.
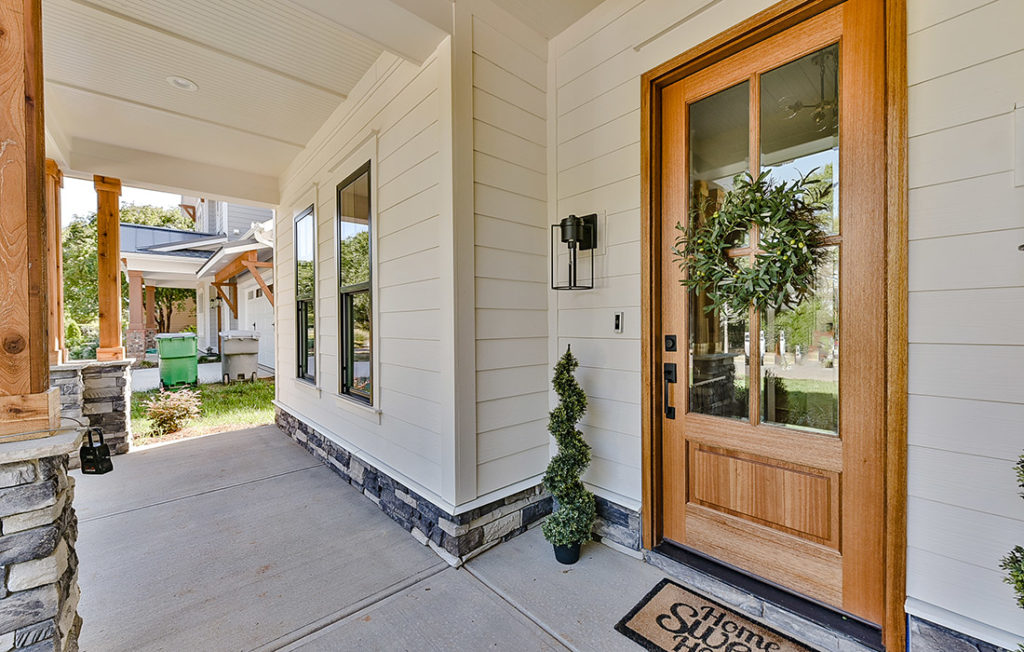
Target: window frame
(347,292)
(301,316)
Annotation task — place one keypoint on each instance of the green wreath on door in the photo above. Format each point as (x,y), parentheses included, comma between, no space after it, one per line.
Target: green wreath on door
(790,217)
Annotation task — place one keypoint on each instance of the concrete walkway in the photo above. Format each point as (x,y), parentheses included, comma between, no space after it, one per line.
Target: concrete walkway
(242,541)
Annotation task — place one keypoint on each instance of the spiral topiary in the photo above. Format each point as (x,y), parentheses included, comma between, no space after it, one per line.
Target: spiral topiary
(573,518)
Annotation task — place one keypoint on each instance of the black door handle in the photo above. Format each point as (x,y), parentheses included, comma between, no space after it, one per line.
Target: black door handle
(670,377)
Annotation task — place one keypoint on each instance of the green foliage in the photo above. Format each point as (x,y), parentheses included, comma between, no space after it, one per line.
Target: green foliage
(81,298)
(1013,562)
(170,411)
(222,407)
(573,519)
(355,259)
(790,219)
(81,340)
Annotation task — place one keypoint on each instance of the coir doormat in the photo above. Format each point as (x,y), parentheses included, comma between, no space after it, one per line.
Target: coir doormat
(673,618)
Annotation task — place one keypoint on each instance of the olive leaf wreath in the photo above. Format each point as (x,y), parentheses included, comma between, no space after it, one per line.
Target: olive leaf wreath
(790,218)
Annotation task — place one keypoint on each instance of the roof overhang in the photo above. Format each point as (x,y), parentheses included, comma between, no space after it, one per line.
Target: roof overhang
(164,270)
(226,254)
(198,243)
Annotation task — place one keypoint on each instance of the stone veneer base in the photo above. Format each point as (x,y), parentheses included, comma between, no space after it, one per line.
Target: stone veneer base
(926,636)
(454,537)
(38,531)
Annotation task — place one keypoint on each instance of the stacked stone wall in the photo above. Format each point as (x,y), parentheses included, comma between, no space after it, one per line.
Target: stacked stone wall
(38,565)
(454,537)
(106,398)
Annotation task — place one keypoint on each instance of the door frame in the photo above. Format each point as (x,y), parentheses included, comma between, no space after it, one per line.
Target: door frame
(767,23)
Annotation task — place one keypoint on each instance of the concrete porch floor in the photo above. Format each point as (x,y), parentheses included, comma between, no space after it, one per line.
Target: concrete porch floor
(242,541)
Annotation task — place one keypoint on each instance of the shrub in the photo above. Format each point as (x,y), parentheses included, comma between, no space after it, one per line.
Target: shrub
(573,519)
(171,411)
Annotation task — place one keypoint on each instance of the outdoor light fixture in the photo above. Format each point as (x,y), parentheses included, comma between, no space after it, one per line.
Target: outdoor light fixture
(579,234)
(182,83)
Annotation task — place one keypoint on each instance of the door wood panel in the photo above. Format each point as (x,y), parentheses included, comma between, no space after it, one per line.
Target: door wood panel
(799,500)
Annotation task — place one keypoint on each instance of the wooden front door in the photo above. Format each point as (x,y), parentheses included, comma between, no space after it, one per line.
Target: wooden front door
(773,433)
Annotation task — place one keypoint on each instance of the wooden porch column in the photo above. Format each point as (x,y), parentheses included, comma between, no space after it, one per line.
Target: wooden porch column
(27,403)
(136,341)
(108,240)
(136,310)
(55,263)
(151,307)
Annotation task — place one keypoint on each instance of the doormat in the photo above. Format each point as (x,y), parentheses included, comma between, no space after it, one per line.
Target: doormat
(677,619)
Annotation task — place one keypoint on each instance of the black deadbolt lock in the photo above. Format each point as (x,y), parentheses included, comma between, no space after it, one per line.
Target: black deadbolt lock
(670,342)
(95,456)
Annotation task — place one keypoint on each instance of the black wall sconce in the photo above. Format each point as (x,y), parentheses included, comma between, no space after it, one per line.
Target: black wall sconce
(579,234)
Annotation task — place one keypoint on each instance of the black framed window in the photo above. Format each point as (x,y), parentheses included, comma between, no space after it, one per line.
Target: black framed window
(354,294)
(305,294)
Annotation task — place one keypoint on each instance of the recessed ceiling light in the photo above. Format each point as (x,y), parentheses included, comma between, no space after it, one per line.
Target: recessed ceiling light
(182,84)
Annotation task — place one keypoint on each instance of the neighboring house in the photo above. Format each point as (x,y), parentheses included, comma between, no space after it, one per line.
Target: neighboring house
(415,324)
(200,260)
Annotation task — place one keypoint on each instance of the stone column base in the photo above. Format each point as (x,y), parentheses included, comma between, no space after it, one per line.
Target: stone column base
(39,609)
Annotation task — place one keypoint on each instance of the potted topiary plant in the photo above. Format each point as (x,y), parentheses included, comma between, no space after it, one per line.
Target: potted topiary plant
(570,524)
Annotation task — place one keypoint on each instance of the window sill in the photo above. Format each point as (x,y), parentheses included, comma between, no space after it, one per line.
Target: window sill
(358,408)
(307,385)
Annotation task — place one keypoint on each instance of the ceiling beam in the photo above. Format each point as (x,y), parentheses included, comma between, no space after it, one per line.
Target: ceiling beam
(142,169)
(396,29)
(178,114)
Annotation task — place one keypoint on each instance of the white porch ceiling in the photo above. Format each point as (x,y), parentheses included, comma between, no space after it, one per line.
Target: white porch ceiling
(269,73)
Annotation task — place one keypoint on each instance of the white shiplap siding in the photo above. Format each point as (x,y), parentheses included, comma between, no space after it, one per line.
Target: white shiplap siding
(396,106)
(966,406)
(510,173)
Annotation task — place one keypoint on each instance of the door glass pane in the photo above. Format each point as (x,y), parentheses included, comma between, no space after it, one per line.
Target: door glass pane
(800,122)
(362,343)
(719,360)
(800,363)
(719,148)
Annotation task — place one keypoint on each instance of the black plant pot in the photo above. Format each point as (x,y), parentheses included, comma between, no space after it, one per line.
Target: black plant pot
(567,554)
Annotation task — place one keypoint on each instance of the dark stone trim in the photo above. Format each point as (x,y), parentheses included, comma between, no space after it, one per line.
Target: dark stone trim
(617,524)
(926,636)
(455,537)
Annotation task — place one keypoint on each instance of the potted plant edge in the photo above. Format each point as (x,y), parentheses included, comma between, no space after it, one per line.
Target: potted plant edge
(1013,562)
(569,526)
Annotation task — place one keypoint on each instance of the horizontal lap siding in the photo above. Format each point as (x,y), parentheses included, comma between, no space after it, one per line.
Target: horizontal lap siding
(510,193)
(966,404)
(595,128)
(400,102)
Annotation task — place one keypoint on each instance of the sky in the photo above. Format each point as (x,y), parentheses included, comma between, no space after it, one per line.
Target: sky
(79,198)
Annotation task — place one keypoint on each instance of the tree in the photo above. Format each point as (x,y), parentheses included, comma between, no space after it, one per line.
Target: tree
(81,299)
(166,301)
(572,521)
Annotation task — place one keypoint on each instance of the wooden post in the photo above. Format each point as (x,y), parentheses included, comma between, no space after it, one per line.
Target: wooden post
(135,303)
(136,342)
(108,240)
(27,403)
(55,263)
(151,307)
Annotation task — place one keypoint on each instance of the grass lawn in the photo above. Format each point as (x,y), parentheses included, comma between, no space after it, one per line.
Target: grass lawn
(224,407)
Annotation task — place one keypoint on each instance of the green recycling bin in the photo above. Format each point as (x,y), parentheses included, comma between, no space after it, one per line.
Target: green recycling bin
(178,362)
